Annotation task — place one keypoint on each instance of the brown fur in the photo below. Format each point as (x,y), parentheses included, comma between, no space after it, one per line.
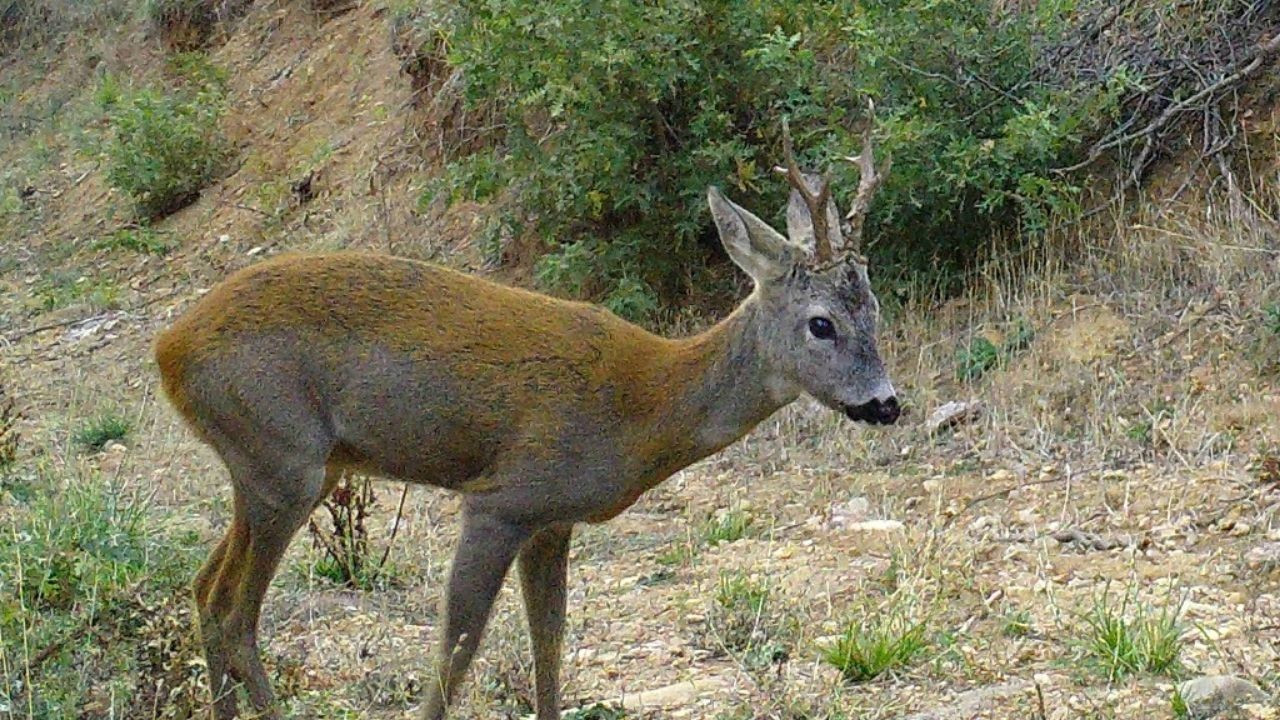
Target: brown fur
(541,412)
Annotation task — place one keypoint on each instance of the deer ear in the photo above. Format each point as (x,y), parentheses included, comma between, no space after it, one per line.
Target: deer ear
(800,224)
(755,247)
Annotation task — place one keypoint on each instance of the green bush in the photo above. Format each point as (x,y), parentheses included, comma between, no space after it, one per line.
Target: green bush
(163,148)
(618,118)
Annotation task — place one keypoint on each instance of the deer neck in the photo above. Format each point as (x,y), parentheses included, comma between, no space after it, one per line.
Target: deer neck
(711,389)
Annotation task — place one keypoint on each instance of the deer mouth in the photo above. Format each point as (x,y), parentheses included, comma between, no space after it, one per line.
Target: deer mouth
(875,412)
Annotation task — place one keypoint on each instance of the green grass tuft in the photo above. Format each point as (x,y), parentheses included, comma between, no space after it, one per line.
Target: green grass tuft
(92,595)
(727,527)
(1016,624)
(876,643)
(98,431)
(1133,638)
(1272,322)
(598,711)
(141,239)
(747,623)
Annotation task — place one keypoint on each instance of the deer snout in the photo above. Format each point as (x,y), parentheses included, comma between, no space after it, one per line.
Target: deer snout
(876,411)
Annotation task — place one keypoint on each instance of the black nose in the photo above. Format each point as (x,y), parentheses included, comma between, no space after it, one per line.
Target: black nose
(876,412)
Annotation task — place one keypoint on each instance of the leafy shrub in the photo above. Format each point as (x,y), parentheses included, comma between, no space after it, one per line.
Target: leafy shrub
(163,148)
(975,359)
(616,121)
(981,355)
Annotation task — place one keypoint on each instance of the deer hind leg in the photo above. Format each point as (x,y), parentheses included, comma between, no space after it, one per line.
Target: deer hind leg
(486,549)
(543,578)
(212,589)
(277,483)
(272,525)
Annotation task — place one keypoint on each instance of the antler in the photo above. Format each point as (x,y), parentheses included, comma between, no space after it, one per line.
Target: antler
(816,202)
(868,183)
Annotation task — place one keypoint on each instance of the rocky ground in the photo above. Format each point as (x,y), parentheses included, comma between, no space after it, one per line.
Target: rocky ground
(1121,462)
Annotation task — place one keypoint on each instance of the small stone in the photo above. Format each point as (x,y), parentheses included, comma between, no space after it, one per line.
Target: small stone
(1257,711)
(951,414)
(1211,695)
(1264,557)
(851,511)
(876,526)
(680,693)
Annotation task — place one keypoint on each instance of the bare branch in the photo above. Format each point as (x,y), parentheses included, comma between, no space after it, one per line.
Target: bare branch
(815,202)
(1249,65)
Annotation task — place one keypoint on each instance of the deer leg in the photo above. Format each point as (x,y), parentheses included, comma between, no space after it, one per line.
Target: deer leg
(543,577)
(212,588)
(272,525)
(485,551)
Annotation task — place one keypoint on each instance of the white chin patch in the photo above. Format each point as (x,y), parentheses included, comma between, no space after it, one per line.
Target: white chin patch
(882,391)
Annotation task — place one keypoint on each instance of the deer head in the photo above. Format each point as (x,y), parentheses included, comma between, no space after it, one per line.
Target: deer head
(817,326)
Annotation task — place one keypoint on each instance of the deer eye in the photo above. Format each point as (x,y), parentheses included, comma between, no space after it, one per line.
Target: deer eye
(822,328)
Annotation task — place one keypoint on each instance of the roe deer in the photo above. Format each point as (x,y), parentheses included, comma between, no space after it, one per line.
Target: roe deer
(541,412)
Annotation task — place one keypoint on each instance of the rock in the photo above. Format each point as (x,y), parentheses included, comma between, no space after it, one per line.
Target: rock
(1088,540)
(952,414)
(846,513)
(973,702)
(1263,558)
(1211,695)
(680,693)
(876,526)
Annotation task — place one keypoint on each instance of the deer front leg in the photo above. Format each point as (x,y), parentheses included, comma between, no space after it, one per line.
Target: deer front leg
(543,570)
(485,551)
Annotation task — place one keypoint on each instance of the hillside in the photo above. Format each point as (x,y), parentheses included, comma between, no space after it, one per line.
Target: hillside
(1105,524)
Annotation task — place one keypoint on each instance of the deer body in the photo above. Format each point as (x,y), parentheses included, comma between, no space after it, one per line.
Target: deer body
(540,412)
(543,409)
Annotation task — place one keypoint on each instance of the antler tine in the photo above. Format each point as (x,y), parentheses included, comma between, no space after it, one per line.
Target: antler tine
(816,202)
(868,183)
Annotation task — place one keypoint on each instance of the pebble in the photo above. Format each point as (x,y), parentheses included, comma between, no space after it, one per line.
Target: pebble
(1211,695)
(1264,557)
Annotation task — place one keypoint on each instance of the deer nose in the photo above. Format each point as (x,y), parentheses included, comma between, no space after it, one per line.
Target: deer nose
(877,411)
